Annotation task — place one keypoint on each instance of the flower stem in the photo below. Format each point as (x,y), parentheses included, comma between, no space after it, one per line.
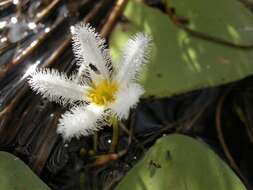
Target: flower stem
(115,134)
(95,142)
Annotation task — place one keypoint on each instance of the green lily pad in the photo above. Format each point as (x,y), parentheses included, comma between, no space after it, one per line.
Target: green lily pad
(181,63)
(15,175)
(227,19)
(179,162)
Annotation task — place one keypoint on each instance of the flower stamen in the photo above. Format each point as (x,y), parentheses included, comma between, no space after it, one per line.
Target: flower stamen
(103,93)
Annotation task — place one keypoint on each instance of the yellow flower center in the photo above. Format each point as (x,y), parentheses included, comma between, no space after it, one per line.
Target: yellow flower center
(103,93)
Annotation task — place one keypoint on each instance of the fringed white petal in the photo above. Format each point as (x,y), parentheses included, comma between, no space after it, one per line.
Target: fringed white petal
(127,98)
(135,55)
(81,121)
(56,86)
(89,49)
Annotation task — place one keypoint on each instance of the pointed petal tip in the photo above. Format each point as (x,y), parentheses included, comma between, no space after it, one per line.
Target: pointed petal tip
(136,54)
(90,48)
(143,37)
(56,86)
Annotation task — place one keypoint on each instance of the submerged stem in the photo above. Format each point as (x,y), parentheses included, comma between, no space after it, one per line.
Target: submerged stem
(115,133)
(95,142)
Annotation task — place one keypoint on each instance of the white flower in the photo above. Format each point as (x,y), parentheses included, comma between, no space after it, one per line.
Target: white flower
(98,91)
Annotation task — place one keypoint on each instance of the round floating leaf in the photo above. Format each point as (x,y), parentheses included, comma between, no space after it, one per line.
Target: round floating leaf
(179,162)
(226,19)
(180,62)
(15,175)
